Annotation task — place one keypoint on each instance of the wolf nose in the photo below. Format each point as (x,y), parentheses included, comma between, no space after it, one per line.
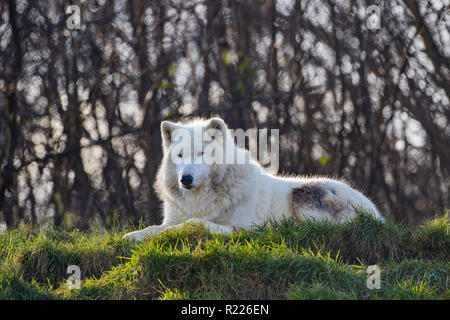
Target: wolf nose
(186,180)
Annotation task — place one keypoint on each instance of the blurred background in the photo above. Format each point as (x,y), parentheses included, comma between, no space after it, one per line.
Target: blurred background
(359,93)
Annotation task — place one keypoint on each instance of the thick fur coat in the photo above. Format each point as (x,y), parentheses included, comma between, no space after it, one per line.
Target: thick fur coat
(224,195)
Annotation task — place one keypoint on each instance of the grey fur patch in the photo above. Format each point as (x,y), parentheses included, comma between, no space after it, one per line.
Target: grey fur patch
(316,196)
(310,195)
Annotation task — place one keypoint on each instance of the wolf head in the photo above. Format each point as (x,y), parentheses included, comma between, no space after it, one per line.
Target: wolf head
(195,154)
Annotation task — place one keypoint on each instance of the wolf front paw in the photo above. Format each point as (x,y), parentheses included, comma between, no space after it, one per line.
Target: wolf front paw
(145,233)
(137,236)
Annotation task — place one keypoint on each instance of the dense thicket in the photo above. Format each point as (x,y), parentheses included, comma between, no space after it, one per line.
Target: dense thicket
(80,108)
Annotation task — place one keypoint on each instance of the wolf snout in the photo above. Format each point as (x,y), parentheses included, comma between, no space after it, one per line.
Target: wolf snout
(186,181)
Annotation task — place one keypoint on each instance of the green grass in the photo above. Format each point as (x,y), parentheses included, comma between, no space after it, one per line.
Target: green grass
(286,260)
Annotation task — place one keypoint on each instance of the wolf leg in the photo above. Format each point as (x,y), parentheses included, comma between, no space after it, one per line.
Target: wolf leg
(140,235)
(155,230)
(210,226)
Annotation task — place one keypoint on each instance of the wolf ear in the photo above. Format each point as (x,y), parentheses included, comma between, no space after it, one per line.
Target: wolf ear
(167,128)
(218,124)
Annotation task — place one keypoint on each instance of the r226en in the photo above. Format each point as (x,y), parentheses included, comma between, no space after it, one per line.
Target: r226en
(246,309)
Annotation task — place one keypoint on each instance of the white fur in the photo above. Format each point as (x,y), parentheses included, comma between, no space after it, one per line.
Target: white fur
(228,196)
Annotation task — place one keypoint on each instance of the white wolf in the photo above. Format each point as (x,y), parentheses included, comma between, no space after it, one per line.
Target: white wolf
(224,195)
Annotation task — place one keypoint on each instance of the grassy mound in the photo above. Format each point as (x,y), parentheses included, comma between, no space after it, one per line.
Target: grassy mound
(286,260)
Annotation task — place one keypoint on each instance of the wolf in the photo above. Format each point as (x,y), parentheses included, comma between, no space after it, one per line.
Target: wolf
(224,193)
